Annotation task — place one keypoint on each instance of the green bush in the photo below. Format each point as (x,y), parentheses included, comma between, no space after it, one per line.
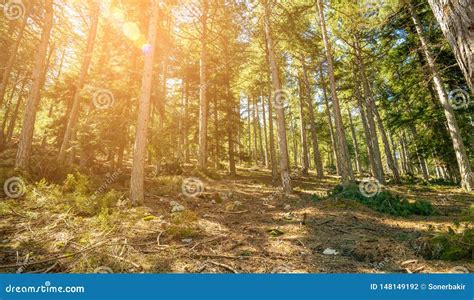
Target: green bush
(77,183)
(384,202)
(442,182)
(453,246)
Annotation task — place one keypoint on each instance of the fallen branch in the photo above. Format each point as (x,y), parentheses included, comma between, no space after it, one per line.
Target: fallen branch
(224,266)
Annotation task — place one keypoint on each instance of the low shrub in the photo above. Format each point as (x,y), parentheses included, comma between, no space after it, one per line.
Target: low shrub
(447,246)
(384,202)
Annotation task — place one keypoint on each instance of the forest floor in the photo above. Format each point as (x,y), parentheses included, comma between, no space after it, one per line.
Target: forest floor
(239,225)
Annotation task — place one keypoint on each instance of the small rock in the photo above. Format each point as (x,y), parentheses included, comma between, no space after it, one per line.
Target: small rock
(330,251)
(213,202)
(237,204)
(174,203)
(177,208)
(187,241)
(287,207)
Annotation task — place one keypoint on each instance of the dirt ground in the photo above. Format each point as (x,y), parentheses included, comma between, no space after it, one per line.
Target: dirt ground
(238,225)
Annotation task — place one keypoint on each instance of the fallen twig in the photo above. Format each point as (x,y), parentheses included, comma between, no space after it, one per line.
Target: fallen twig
(224,266)
(235,212)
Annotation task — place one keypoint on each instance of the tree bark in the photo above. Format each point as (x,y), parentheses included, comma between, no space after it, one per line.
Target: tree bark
(304,144)
(259,129)
(333,153)
(456,19)
(467,178)
(203,104)
(264,118)
(139,152)
(74,114)
(271,136)
(12,57)
(26,138)
(318,163)
(345,168)
(280,114)
(356,145)
(370,114)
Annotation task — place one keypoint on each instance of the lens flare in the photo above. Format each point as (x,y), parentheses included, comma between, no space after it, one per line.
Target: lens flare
(131,31)
(146,49)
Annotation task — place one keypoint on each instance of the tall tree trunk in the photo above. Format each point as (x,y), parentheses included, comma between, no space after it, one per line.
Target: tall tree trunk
(26,139)
(267,159)
(456,19)
(249,125)
(374,110)
(14,116)
(74,114)
(467,179)
(230,125)
(203,104)
(345,168)
(11,125)
(259,129)
(304,144)
(12,57)
(333,153)
(356,145)
(280,114)
(186,122)
(406,154)
(255,137)
(271,136)
(139,151)
(318,163)
(216,136)
(370,114)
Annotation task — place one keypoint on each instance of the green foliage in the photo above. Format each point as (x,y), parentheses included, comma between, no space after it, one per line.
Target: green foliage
(77,183)
(77,190)
(87,205)
(384,202)
(453,246)
(468,214)
(442,182)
